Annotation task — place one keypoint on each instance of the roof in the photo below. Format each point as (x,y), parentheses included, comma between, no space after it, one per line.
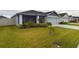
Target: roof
(75,16)
(62,14)
(54,13)
(2,17)
(32,12)
(37,13)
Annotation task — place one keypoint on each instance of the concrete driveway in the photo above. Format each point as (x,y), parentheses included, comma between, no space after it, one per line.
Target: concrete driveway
(68,26)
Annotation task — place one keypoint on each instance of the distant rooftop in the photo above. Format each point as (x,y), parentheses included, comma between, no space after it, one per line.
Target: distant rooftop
(3,17)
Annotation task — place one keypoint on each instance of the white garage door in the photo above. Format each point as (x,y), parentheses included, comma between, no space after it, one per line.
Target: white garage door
(5,22)
(52,20)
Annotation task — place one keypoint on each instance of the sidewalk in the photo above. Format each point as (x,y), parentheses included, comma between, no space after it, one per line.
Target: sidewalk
(68,26)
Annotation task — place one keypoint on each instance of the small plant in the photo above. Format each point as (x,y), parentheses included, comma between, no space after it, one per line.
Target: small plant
(57,43)
(49,23)
(51,29)
(29,24)
(63,22)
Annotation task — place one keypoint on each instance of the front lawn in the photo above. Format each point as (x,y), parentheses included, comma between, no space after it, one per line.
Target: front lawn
(13,37)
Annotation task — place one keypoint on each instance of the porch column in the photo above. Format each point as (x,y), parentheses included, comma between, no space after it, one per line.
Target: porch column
(37,19)
(20,19)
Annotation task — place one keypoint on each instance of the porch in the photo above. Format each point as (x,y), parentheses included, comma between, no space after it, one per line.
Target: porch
(21,19)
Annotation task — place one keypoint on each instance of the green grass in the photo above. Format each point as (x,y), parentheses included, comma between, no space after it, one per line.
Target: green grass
(13,37)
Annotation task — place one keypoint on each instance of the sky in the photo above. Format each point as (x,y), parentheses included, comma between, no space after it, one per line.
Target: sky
(10,13)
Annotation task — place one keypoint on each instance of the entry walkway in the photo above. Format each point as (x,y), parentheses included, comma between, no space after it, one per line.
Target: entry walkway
(68,26)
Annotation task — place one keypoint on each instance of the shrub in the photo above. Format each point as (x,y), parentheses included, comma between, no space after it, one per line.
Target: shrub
(29,24)
(63,22)
(49,23)
(39,25)
(43,25)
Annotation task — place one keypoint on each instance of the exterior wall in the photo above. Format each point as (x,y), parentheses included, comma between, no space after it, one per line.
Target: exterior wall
(5,22)
(18,19)
(66,19)
(53,19)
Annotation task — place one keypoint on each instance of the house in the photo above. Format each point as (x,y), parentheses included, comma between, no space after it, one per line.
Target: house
(4,21)
(31,15)
(76,19)
(36,17)
(65,17)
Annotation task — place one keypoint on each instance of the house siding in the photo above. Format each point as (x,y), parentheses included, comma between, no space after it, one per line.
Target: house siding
(5,22)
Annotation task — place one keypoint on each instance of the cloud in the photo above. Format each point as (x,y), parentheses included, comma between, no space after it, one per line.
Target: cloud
(9,13)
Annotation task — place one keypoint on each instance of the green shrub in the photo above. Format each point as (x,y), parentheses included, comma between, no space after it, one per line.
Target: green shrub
(63,22)
(29,24)
(49,23)
(51,29)
(39,25)
(43,25)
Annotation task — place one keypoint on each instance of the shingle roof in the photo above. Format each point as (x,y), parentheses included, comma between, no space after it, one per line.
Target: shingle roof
(54,13)
(75,16)
(2,17)
(37,13)
(32,12)
(62,14)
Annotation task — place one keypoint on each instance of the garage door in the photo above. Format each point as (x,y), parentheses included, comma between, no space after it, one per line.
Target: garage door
(5,22)
(52,20)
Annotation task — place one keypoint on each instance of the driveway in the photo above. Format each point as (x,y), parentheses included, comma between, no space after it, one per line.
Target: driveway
(68,26)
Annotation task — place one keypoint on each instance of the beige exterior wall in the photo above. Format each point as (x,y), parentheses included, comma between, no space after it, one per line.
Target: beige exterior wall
(5,22)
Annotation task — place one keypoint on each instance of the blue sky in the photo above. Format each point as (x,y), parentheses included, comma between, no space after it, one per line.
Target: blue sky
(9,13)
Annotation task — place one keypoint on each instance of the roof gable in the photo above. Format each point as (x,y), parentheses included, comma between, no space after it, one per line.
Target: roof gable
(2,17)
(52,13)
(63,14)
(32,12)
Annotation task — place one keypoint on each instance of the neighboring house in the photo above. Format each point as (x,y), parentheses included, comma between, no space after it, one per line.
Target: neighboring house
(36,17)
(6,21)
(65,17)
(76,19)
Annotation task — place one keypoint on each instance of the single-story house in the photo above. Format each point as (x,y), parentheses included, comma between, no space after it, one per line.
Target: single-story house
(65,17)
(31,15)
(36,17)
(75,18)
(4,21)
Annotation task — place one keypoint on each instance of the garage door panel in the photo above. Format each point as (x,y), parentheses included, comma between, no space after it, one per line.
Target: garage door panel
(53,20)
